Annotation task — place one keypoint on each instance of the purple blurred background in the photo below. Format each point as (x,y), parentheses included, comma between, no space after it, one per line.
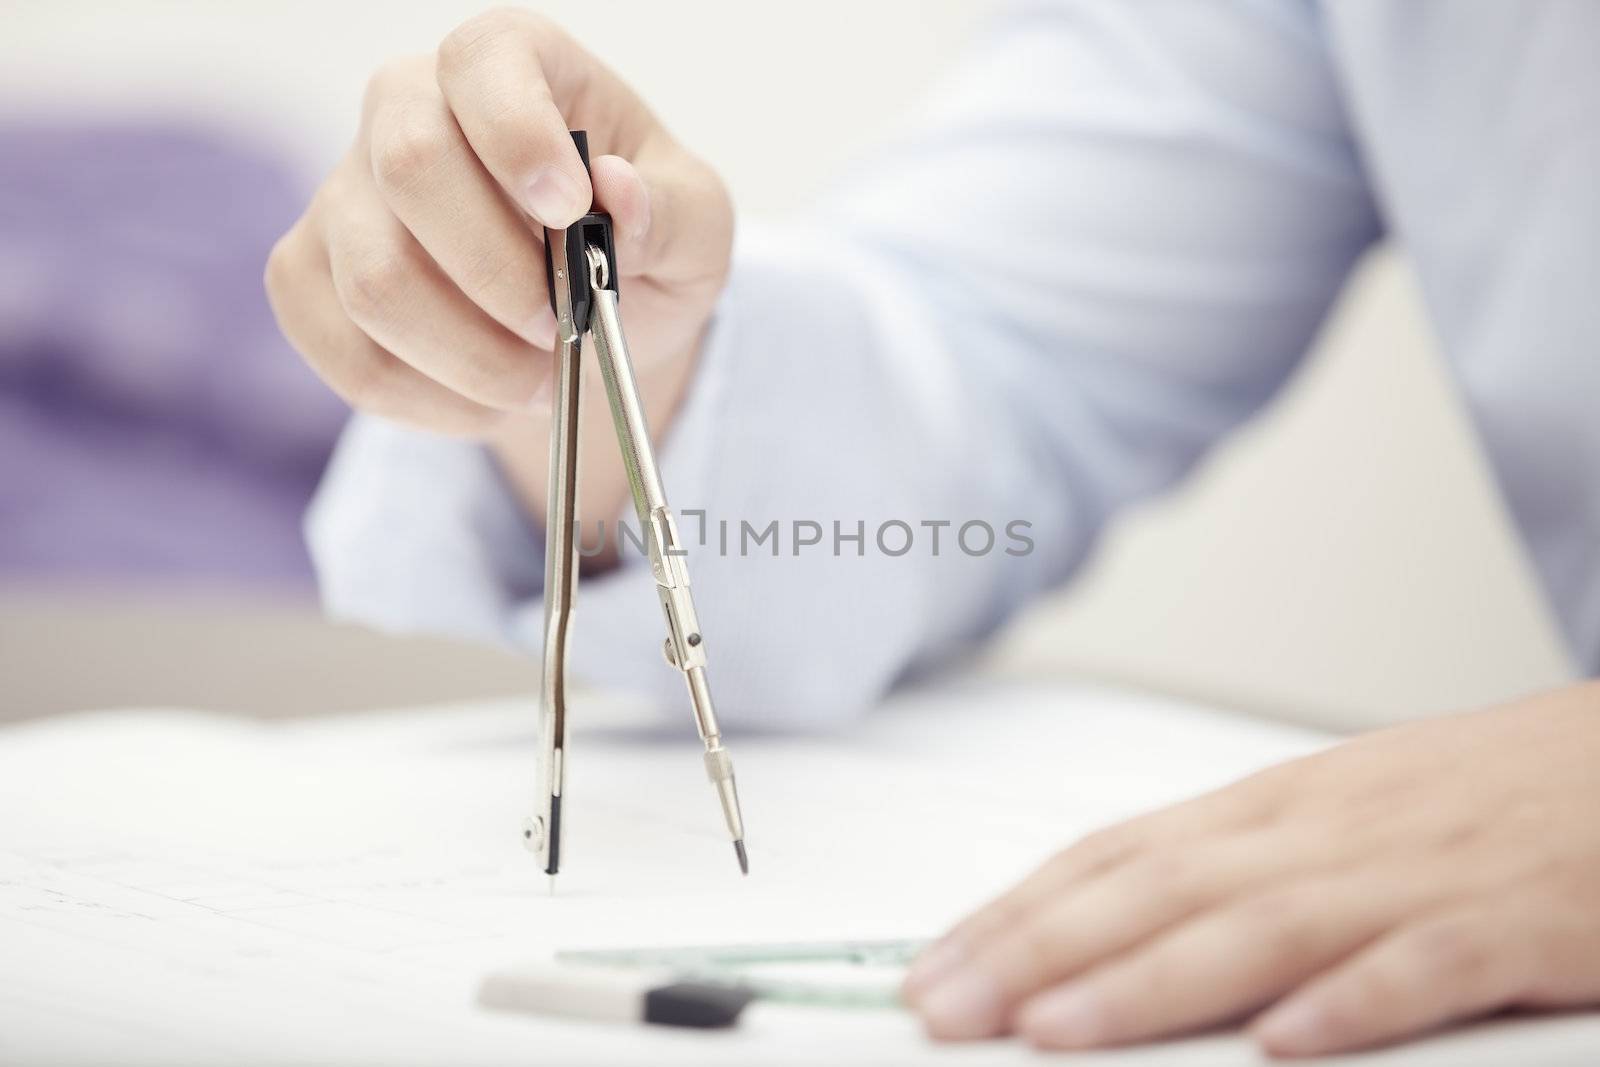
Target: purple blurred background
(153,423)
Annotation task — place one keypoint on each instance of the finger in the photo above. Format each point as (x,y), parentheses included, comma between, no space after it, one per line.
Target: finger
(1233,807)
(300,289)
(1055,876)
(430,179)
(665,216)
(399,297)
(620,192)
(493,71)
(1100,916)
(1218,966)
(1109,913)
(1450,966)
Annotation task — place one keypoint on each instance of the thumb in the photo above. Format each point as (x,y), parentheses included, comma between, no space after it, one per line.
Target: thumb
(670,221)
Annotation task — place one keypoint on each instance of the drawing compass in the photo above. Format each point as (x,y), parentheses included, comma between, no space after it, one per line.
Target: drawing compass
(583,293)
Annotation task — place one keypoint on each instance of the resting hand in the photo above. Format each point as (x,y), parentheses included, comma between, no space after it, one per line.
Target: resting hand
(1419,875)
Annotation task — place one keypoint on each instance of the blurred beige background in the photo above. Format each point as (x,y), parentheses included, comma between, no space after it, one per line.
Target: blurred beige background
(1344,561)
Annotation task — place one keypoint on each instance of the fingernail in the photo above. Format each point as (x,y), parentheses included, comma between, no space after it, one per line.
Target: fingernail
(552,198)
(931,965)
(964,1007)
(1295,1027)
(1069,1017)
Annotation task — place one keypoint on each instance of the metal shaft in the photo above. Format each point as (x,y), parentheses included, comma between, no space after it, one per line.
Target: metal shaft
(685,645)
(560,584)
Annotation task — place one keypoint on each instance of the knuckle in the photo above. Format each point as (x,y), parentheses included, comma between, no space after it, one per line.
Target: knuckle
(408,141)
(371,282)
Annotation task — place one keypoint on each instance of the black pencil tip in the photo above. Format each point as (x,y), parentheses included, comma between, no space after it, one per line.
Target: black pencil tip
(744,860)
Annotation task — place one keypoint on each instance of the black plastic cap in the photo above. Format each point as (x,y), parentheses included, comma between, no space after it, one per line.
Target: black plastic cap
(593,229)
(696,1004)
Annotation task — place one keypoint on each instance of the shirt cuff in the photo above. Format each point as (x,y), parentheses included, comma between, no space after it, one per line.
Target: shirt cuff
(415,532)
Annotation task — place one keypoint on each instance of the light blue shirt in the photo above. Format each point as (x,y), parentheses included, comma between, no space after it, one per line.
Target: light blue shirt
(1105,244)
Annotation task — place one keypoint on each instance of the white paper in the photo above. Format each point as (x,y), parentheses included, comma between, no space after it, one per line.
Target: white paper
(177,887)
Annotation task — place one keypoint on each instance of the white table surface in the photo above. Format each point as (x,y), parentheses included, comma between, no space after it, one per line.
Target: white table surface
(178,887)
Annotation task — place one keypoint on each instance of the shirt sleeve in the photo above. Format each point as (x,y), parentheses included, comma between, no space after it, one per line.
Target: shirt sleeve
(1106,241)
